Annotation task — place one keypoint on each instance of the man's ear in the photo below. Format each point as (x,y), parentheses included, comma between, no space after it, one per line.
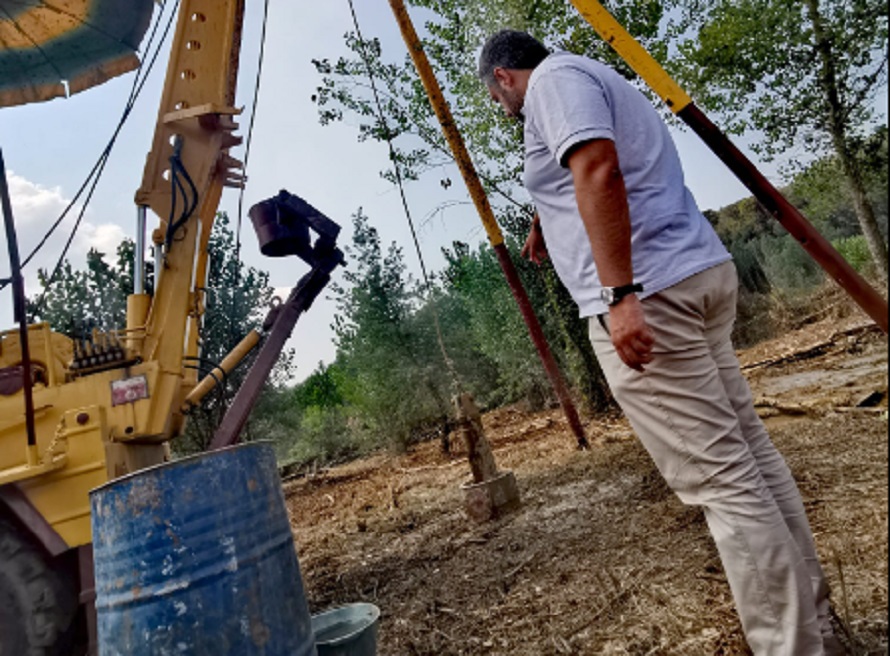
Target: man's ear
(503,77)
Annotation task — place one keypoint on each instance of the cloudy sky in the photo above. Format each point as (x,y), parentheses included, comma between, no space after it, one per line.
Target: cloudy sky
(49,149)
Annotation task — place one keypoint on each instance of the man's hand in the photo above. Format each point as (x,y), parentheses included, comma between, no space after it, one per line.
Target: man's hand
(632,337)
(535,248)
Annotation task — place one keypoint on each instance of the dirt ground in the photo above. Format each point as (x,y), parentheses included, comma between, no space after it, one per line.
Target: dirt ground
(601,558)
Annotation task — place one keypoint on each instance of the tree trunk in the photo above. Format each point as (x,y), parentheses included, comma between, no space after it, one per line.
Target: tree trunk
(838,130)
(865,213)
(479,452)
(586,371)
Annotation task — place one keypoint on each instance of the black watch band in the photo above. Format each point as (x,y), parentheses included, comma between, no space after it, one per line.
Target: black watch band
(612,296)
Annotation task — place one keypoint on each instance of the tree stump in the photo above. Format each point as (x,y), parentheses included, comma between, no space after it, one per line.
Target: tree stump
(469,422)
(491,493)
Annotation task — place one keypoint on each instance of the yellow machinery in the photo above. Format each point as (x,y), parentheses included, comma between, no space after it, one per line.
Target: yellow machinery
(108,406)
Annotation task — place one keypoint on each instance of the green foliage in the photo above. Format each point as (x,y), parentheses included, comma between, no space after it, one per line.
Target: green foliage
(749,264)
(494,322)
(320,390)
(78,301)
(394,379)
(759,63)
(277,418)
(768,259)
(821,193)
(787,265)
(855,251)
(325,437)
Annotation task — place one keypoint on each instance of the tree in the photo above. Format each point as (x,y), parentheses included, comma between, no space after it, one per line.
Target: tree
(319,390)
(495,323)
(827,202)
(77,301)
(802,73)
(396,373)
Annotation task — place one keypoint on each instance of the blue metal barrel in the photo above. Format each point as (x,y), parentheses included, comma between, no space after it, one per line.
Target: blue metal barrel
(196,557)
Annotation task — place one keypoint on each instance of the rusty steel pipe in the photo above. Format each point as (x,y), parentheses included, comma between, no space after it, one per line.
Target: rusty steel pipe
(540,342)
(300,299)
(480,200)
(818,247)
(446,120)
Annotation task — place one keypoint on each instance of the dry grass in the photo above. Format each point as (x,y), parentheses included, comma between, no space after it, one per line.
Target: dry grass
(601,558)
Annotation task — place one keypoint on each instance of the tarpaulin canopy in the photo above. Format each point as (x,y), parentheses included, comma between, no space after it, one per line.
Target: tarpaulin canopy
(48,44)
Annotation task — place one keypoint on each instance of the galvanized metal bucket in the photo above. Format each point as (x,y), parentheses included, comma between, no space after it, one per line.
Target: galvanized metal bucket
(347,631)
(197,557)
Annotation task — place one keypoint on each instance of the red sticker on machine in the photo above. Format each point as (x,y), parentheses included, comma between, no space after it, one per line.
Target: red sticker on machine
(129,390)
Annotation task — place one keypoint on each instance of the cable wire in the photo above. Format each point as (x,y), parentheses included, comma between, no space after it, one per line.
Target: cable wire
(256,93)
(134,93)
(177,172)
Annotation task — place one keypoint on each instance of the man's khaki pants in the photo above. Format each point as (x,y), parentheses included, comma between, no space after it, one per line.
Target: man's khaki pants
(693,411)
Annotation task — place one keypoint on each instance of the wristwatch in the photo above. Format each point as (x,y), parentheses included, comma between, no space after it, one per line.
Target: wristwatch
(612,296)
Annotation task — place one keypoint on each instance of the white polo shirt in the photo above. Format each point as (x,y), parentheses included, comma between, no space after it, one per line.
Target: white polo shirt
(570,100)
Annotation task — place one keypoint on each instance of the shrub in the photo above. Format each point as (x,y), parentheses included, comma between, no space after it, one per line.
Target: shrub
(855,251)
(326,437)
(788,266)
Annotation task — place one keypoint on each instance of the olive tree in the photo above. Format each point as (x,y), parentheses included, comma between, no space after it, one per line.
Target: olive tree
(803,74)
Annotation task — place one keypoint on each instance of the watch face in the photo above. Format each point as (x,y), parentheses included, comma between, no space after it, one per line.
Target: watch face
(608,295)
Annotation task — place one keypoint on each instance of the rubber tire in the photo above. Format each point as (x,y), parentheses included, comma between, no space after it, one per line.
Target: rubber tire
(38,599)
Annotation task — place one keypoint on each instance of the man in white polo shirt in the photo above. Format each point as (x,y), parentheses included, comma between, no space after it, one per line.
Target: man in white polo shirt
(645,266)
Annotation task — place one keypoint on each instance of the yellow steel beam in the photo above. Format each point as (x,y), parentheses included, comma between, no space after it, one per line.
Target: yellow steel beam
(819,248)
(449,128)
(196,112)
(634,54)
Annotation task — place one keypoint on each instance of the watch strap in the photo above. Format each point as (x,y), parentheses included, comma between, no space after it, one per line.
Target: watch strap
(618,293)
(624,290)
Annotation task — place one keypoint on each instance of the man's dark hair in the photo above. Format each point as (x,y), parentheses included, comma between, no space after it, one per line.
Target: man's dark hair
(510,49)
